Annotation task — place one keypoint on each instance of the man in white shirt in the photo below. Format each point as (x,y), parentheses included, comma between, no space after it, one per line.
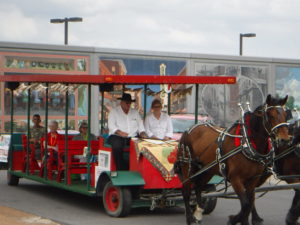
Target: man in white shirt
(123,123)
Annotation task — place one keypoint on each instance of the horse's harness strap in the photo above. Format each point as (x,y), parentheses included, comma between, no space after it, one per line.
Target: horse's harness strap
(266,159)
(297,152)
(215,162)
(285,153)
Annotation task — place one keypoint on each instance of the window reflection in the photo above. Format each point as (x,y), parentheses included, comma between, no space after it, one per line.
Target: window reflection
(56,104)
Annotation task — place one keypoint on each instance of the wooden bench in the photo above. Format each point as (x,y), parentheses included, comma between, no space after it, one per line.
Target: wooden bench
(75,166)
(51,163)
(32,162)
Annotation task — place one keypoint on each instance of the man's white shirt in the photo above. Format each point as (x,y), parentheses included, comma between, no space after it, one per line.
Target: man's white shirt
(159,128)
(130,123)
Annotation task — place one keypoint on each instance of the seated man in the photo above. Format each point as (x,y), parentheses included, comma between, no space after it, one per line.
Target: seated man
(123,123)
(83,136)
(36,133)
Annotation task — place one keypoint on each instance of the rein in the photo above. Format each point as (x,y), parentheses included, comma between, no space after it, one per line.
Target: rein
(285,152)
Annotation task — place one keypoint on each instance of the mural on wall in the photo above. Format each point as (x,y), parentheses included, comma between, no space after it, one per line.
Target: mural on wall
(12,63)
(220,101)
(143,66)
(137,66)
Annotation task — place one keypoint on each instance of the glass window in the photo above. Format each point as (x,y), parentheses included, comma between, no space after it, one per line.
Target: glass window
(287,82)
(220,101)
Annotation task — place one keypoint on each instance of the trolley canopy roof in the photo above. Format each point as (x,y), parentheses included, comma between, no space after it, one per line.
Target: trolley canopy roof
(118,79)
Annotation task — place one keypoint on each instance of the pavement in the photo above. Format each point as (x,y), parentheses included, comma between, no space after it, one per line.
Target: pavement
(10,216)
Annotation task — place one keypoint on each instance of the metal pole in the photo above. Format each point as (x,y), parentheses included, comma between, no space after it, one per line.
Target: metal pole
(241,44)
(196,103)
(28,131)
(224,105)
(102,112)
(46,131)
(66,31)
(145,100)
(66,134)
(11,129)
(89,139)
(169,104)
(259,189)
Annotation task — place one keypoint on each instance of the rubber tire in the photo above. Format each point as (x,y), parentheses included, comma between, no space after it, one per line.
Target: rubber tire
(209,204)
(122,195)
(12,180)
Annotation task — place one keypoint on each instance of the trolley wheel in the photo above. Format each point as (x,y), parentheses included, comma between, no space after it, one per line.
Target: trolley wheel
(116,200)
(12,180)
(209,204)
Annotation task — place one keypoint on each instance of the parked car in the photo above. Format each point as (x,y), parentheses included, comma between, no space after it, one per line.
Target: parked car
(182,122)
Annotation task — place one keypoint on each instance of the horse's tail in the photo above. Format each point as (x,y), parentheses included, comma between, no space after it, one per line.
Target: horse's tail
(180,152)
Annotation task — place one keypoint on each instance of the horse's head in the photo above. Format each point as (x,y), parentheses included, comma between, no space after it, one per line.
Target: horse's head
(274,118)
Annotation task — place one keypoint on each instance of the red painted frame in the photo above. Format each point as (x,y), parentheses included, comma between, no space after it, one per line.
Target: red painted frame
(119,79)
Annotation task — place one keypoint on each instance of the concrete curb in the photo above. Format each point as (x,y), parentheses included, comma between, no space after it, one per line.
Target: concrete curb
(10,216)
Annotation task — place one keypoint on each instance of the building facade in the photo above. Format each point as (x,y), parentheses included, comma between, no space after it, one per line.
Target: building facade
(256,78)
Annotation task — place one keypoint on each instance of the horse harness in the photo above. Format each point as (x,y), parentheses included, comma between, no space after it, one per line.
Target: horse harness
(247,149)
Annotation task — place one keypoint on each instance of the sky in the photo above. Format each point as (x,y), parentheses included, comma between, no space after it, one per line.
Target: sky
(190,26)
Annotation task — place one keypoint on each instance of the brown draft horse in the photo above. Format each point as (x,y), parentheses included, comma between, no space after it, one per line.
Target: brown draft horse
(198,149)
(287,168)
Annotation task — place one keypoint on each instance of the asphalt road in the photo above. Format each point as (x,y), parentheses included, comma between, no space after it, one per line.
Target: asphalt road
(69,208)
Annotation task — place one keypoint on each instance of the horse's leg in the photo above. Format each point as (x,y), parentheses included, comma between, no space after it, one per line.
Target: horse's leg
(198,213)
(246,200)
(256,219)
(294,212)
(186,193)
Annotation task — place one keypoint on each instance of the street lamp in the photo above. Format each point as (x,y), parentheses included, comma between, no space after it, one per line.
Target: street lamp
(241,40)
(66,21)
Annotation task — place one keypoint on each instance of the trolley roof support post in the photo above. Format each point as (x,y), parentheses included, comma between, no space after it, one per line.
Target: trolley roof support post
(169,103)
(44,161)
(196,103)
(224,107)
(28,151)
(145,100)
(102,113)
(66,133)
(11,129)
(89,139)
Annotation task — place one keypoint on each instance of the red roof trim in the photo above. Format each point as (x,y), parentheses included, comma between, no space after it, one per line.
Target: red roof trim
(119,79)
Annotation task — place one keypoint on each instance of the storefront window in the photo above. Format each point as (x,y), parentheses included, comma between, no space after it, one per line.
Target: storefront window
(220,101)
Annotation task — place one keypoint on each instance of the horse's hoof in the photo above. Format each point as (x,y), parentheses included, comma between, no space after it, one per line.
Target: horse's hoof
(291,219)
(196,222)
(230,220)
(292,223)
(257,221)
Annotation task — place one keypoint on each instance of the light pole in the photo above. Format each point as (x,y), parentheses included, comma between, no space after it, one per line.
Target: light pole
(241,40)
(66,21)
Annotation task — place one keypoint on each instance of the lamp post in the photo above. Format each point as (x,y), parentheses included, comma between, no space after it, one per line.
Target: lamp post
(66,21)
(241,40)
